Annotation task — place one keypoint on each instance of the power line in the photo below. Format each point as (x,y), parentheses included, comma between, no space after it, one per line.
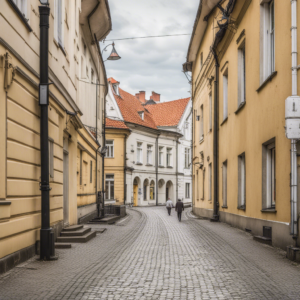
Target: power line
(147,37)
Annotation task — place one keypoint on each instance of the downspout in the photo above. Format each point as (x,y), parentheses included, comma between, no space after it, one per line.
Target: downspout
(156,167)
(176,170)
(124,170)
(294,223)
(103,156)
(216,140)
(98,206)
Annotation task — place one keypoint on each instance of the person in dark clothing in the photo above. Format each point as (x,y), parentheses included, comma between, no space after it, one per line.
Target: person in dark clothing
(179,208)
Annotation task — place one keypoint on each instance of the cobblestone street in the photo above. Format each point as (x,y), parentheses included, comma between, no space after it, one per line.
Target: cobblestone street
(150,255)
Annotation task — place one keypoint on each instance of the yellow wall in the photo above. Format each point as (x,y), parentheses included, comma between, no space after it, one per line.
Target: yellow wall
(115,165)
(261,119)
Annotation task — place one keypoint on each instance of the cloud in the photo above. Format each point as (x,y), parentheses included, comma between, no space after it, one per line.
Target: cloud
(153,64)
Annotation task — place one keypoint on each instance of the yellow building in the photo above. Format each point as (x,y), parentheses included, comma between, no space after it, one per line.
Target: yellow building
(74,60)
(240,59)
(116,133)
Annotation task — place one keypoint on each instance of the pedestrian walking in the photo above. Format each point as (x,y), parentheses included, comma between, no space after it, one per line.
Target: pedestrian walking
(169,206)
(179,208)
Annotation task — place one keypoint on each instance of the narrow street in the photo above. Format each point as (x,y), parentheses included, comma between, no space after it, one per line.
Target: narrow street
(150,255)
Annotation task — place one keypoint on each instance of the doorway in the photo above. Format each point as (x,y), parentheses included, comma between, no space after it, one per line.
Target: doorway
(135,194)
(66,182)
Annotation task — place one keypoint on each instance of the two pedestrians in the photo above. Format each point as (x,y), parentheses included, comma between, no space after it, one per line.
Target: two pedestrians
(169,206)
(179,208)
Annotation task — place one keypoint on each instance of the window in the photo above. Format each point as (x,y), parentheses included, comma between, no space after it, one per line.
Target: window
(267,42)
(116,90)
(51,159)
(224,183)
(109,187)
(241,181)
(140,153)
(146,183)
(186,130)
(209,182)
(201,60)
(58,21)
(201,123)
(149,154)
(241,74)
(187,190)
(91,171)
(225,94)
(187,158)
(210,112)
(152,190)
(141,114)
(110,148)
(82,67)
(22,6)
(169,157)
(269,175)
(161,156)
(87,71)
(92,75)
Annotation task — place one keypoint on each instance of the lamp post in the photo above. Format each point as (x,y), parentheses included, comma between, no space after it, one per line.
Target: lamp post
(46,234)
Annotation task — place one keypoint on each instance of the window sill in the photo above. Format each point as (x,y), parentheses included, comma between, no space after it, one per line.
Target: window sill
(266,81)
(269,210)
(242,207)
(20,14)
(224,121)
(169,167)
(109,157)
(241,106)
(161,166)
(149,165)
(5,202)
(139,164)
(224,206)
(201,140)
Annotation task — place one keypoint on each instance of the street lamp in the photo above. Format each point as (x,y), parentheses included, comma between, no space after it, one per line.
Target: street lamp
(114,54)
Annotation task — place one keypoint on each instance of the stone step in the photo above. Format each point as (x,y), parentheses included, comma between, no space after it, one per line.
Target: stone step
(62,246)
(73,228)
(79,232)
(77,239)
(106,220)
(263,240)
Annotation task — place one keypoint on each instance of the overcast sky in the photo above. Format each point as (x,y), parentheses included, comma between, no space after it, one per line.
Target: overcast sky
(153,64)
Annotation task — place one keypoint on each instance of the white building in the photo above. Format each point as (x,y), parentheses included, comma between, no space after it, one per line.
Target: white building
(158,150)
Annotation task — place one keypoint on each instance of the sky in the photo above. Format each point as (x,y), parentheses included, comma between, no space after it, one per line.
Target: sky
(153,64)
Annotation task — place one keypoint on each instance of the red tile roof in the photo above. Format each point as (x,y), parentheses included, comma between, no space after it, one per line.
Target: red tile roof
(109,123)
(112,80)
(168,113)
(160,114)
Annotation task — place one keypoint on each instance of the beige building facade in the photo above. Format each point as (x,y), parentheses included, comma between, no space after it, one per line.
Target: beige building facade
(241,76)
(75,134)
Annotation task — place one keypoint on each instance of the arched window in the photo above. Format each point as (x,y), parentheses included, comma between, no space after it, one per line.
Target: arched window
(152,190)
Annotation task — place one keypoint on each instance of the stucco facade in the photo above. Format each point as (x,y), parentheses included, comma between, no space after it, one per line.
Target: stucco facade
(253,191)
(20,200)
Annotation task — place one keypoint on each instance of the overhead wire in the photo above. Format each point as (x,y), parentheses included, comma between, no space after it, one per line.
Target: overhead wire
(146,37)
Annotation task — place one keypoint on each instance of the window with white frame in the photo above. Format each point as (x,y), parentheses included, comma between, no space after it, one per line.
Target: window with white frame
(187,156)
(22,6)
(139,152)
(187,190)
(58,21)
(225,94)
(51,158)
(269,175)
(109,187)
(209,182)
(241,181)
(149,154)
(201,123)
(161,156)
(169,157)
(267,42)
(241,74)
(224,183)
(110,148)
(210,112)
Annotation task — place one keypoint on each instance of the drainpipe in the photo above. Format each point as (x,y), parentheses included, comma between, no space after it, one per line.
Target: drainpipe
(156,167)
(215,141)
(177,169)
(294,223)
(103,157)
(125,138)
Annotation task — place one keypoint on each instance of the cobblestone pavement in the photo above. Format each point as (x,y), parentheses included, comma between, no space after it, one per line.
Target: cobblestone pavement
(150,255)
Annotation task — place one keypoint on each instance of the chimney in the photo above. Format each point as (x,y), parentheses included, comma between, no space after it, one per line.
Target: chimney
(151,98)
(155,97)
(137,95)
(142,96)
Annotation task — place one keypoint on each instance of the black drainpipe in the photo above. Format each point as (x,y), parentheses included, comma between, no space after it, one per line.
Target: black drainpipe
(125,190)
(216,141)
(176,170)
(156,167)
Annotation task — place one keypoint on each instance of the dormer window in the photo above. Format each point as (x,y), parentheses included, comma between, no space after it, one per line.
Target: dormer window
(116,88)
(141,114)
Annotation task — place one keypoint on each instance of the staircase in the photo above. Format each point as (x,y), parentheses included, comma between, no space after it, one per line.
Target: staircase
(74,234)
(108,219)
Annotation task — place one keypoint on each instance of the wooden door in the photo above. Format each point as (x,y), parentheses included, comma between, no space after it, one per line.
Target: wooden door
(135,195)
